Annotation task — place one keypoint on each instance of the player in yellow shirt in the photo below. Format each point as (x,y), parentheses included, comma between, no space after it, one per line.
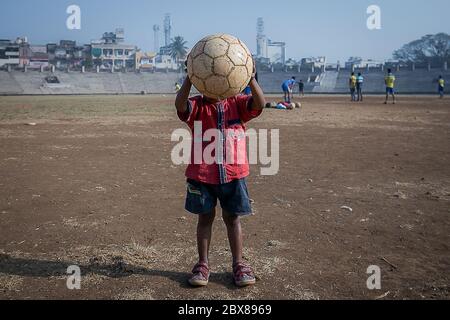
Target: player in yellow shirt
(352,84)
(441,82)
(389,80)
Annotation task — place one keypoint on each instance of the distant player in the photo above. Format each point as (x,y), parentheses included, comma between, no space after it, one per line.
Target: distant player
(441,84)
(301,88)
(389,80)
(359,86)
(248,91)
(287,87)
(352,85)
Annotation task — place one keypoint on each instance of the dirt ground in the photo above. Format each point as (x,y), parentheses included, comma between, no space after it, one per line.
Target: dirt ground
(92,184)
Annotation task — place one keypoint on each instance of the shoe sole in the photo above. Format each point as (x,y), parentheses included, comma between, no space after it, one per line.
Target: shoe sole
(198,283)
(245,283)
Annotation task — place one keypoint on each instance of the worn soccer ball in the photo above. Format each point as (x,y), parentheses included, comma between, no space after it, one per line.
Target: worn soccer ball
(220,66)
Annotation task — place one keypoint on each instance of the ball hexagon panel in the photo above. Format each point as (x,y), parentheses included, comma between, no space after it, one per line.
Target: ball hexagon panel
(211,37)
(198,49)
(230,39)
(237,54)
(249,66)
(238,78)
(216,48)
(189,65)
(198,83)
(202,66)
(245,48)
(232,92)
(222,66)
(217,84)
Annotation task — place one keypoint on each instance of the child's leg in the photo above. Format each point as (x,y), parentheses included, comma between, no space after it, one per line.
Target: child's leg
(233,224)
(204,232)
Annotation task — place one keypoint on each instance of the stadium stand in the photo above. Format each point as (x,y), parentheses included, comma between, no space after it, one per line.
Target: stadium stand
(331,81)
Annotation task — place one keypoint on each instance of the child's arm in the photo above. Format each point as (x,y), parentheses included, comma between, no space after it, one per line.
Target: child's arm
(183,96)
(259,102)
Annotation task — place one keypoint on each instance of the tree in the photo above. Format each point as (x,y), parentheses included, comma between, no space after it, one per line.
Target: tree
(434,49)
(178,49)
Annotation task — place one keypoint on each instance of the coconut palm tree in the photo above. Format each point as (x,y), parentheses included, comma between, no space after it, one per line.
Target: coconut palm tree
(178,49)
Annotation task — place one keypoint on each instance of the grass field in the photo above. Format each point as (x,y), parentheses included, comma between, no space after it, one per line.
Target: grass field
(92,184)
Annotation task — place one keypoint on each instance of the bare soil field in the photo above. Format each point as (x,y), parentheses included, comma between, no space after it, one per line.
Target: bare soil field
(92,184)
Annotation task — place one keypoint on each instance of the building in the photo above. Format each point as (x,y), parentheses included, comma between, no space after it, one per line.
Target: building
(38,57)
(261,40)
(68,55)
(110,53)
(33,56)
(145,61)
(360,63)
(114,56)
(268,51)
(276,52)
(9,53)
(166,62)
(316,62)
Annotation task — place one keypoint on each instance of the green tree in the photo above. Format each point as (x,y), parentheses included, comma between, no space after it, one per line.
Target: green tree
(434,49)
(178,49)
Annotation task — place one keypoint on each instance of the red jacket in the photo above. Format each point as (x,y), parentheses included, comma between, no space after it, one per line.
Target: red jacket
(228,117)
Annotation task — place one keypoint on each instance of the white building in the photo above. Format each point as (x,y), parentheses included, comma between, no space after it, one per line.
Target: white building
(317,62)
(9,53)
(165,62)
(360,63)
(266,49)
(111,53)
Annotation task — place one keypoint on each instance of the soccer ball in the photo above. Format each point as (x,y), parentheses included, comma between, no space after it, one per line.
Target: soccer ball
(220,66)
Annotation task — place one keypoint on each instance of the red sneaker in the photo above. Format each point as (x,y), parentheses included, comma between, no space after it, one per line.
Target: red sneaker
(200,277)
(243,275)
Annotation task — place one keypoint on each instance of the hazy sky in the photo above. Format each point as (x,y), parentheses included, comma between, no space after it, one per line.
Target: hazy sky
(333,28)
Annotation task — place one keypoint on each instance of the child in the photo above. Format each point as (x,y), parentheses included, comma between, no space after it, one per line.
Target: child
(221,180)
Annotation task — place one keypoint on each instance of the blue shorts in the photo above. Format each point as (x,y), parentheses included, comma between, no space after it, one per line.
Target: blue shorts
(202,198)
(441,89)
(285,89)
(390,90)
